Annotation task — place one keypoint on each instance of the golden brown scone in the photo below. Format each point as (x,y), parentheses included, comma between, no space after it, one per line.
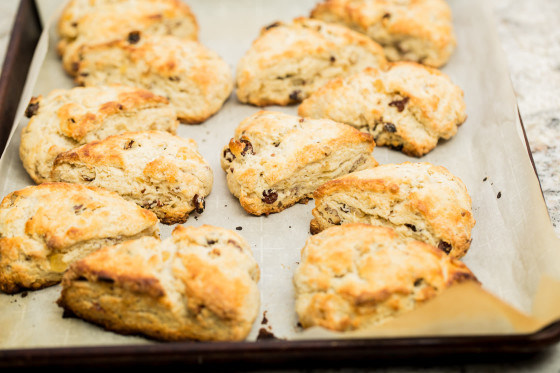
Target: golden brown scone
(288,61)
(419,201)
(275,160)
(159,171)
(410,30)
(67,118)
(195,79)
(356,275)
(45,228)
(407,107)
(86,22)
(201,283)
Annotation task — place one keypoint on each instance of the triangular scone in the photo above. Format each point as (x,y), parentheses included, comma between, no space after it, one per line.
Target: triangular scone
(408,107)
(45,228)
(420,201)
(288,61)
(409,30)
(358,275)
(67,118)
(195,79)
(159,171)
(275,160)
(86,22)
(200,283)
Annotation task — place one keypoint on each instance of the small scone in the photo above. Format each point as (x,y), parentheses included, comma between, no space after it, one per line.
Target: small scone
(407,107)
(419,201)
(67,118)
(44,228)
(86,22)
(275,160)
(159,171)
(410,30)
(200,283)
(357,275)
(195,79)
(288,61)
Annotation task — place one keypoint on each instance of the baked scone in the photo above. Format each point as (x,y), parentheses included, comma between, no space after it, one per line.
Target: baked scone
(411,30)
(67,118)
(200,283)
(195,79)
(159,171)
(289,60)
(275,160)
(407,107)
(356,275)
(44,228)
(419,201)
(86,22)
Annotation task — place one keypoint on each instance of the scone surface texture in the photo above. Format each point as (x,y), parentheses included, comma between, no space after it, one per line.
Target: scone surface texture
(44,228)
(200,283)
(407,107)
(159,171)
(195,79)
(409,30)
(275,160)
(290,60)
(67,118)
(420,201)
(356,275)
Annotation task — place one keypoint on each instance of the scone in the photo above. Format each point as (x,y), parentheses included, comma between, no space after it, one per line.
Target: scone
(44,228)
(407,107)
(288,61)
(419,201)
(195,79)
(159,171)
(200,283)
(410,30)
(86,22)
(275,160)
(355,276)
(67,118)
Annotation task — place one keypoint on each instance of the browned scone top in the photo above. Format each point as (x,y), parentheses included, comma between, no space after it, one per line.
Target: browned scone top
(357,275)
(86,22)
(409,30)
(200,283)
(290,60)
(159,171)
(420,201)
(67,118)
(44,228)
(275,160)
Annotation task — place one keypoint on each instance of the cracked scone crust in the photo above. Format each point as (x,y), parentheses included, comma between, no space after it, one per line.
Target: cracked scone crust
(200,283)
(86,22)
(290,60)
(67,118)
(45,228)
(419,201)
(195,79)
(409,30)
(357,275)
(159,171)
(275,160)
(407,107)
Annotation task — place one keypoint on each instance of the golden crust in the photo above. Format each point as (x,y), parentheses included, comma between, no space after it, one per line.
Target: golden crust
(44,228)
(358,275)
(201,284)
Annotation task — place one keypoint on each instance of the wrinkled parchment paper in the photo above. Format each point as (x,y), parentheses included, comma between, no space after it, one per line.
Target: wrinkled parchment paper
(515,253)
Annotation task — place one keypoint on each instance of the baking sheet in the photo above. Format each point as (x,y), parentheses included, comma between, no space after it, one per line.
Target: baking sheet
(514,242)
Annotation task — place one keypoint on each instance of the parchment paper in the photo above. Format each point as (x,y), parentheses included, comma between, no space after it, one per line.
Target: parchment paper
(515,253)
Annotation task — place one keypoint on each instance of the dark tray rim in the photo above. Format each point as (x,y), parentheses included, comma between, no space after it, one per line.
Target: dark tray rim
(271,353)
